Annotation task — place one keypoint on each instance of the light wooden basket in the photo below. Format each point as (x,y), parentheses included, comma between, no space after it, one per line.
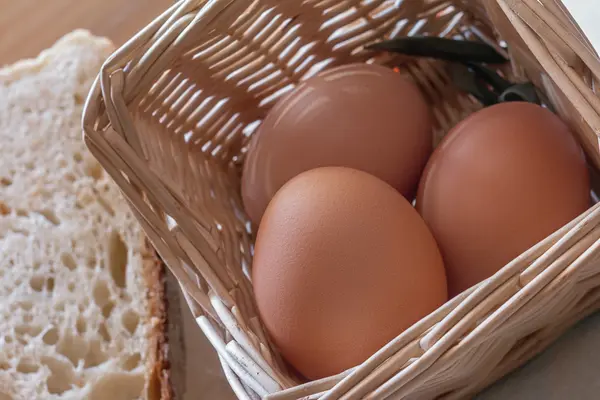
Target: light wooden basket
(172,111)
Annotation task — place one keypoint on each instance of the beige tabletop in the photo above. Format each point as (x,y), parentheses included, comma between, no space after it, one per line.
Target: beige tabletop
(29,26)
(569,369)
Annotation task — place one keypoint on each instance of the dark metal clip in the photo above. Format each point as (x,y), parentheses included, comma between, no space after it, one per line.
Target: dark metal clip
(489,87)
(467,71)
(441,48)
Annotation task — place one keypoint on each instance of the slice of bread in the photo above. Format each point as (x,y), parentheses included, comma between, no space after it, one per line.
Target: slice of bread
(82,308)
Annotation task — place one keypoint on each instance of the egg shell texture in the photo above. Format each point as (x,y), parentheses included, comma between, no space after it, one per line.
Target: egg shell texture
(501,181)
(342,265)
(362,116)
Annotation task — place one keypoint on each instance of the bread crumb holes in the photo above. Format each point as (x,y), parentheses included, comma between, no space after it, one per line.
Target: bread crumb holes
(117,256)
(27,366)
(130,321)
(50,337)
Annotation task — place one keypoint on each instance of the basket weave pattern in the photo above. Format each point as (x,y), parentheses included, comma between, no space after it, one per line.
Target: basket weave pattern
(170,117)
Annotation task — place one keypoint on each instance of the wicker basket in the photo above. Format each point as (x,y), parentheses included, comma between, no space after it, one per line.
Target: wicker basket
(172,111)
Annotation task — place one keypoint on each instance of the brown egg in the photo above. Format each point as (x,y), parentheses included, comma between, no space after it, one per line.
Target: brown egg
(366,117)
(342,265)
(501,181)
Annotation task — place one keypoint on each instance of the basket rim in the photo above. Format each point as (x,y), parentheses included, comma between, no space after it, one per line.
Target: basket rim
(555,41)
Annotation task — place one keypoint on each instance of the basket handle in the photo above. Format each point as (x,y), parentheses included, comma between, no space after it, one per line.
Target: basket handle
(565,39)
(558,48)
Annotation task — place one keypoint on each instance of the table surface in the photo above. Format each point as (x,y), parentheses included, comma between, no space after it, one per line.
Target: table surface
(568,369)
(29,26)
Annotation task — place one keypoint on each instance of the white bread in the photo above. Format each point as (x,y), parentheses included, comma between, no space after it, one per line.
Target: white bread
(82,314)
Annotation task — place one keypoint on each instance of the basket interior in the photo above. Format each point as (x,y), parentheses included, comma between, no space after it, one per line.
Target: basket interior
(195,118)
(206,106)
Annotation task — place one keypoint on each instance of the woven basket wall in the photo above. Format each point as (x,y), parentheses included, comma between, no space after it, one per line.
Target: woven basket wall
(172,112)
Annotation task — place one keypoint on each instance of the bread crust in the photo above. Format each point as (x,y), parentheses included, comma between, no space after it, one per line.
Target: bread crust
(158,384)
(154,315)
